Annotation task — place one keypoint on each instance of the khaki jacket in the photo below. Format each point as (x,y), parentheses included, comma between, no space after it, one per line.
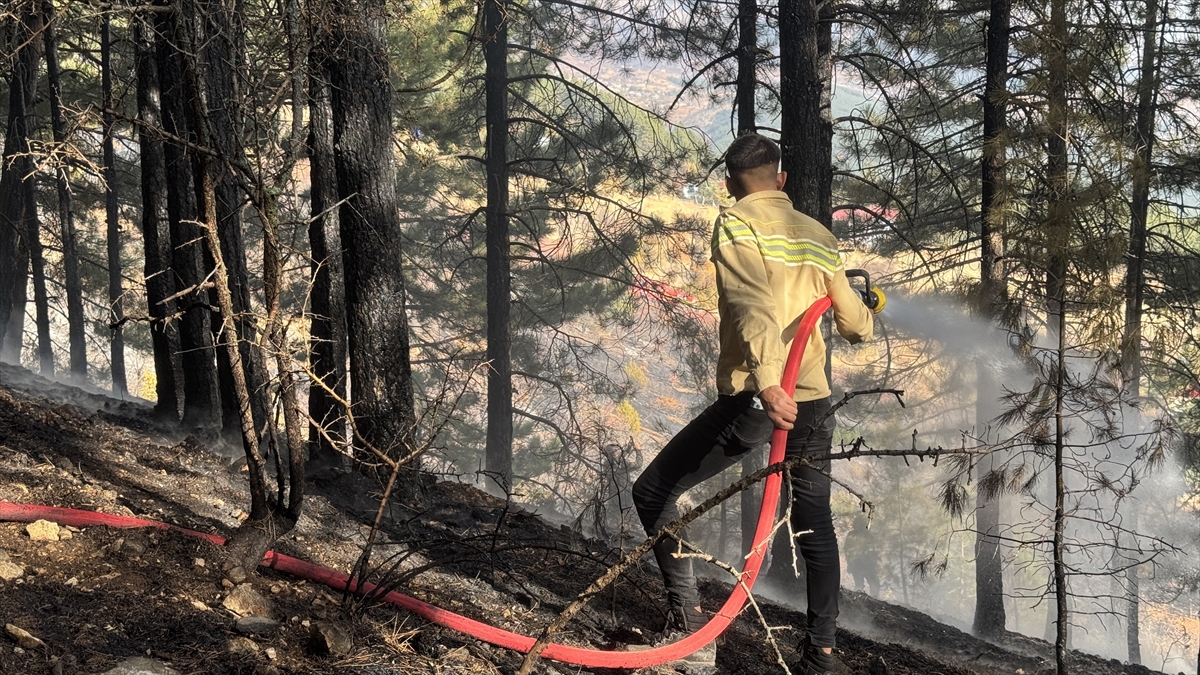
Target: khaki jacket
(772,263)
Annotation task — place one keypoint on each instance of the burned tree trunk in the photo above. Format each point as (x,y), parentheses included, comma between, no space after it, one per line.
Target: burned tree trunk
(155,234)
(806,139)
(499,406)
(201,407)
(747,121)
(66,216)
(1057,232)
(747,72)
(16,179)
(380,372)
(806,136)
(328,329)
(117,346)
(1135,280)
(217,25)
(990,618)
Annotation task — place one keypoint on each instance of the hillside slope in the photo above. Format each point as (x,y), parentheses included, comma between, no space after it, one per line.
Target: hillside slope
(103,596)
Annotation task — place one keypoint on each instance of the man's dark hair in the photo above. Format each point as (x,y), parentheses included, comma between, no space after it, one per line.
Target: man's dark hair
(750,151)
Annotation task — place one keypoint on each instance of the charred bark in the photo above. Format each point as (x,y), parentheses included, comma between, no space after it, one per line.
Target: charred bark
(499,406)
(37,274)
(806,139)
(113,225)
(66,216)
(989,621)
(380,371)
(217,24)
(806,135)
(1058,233)
(160,284)
(747,122)
(327,359)
(201,406)
(747,72)
(1135,279)
(16,179)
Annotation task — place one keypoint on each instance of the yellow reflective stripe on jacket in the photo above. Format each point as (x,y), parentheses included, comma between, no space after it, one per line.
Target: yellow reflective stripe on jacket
(779,248)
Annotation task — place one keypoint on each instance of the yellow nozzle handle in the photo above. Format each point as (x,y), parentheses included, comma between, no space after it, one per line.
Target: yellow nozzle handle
(880,299)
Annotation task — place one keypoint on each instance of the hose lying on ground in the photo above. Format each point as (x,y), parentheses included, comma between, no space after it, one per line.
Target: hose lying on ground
(592,658)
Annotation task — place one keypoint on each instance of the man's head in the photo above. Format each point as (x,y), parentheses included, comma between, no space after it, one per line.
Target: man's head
(752,165)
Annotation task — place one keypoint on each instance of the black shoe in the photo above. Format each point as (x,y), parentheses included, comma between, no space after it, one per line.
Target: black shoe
(814,661)
(680,624)
(703,661)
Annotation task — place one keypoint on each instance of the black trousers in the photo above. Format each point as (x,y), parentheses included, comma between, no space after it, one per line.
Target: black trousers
(717,439)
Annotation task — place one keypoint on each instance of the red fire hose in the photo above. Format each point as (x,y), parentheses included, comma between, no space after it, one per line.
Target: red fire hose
(592,658)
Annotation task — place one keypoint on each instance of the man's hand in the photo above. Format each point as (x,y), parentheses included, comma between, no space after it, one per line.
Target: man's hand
(780,407)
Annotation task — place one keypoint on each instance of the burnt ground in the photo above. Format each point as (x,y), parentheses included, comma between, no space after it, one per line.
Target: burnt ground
(104,595)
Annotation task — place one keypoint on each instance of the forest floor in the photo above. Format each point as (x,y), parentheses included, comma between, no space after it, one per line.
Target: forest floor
(99,597)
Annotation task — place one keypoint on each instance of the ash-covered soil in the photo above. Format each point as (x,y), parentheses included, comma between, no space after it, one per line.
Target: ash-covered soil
(98,596)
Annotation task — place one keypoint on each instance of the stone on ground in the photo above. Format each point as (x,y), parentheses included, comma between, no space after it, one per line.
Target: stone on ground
(10,571)
(329,638)
(42,530)
(257,625)
(22,637)
(243,646)
(245,601)
(140,665)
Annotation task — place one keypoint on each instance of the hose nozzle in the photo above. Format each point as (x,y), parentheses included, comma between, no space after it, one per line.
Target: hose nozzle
(872,296)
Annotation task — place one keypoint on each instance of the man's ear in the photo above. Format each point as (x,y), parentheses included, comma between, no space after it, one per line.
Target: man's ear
(780,180)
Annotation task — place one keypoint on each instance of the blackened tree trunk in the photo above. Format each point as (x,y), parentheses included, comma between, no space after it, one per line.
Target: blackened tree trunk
(16,178)
(989,575)
(160,284)
(117,346)
(380,371)
(806,136)
(499,418)
(747,60)
(1135,278)
(1057,233)
(66,216)
(747,122)
(806,139)
(328,328)
(218,26)
(37,274)
(201,406)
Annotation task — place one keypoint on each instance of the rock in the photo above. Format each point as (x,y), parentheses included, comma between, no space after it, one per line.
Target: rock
(256,625)
(10,571)
(64,534)
(22,637)
(329,638)
(140,665)
(271,653)
(245,601)
(132,545)
(236,574)
(242,646)
(198,562)
(4,557)
(42,530)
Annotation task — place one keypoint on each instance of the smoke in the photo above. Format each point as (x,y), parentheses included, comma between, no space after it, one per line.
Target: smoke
(936,351)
